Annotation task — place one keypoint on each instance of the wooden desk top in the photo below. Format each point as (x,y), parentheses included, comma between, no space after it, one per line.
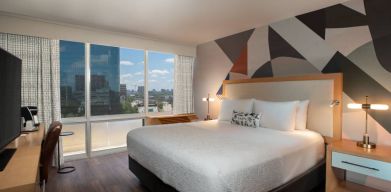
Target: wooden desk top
(381,153)
(192,115)
(22,170)
(169,119)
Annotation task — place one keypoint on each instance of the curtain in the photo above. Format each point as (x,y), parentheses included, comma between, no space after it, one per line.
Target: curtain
(183,85)
(40,73)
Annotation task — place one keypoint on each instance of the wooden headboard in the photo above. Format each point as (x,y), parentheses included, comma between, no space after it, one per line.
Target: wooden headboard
(320,89)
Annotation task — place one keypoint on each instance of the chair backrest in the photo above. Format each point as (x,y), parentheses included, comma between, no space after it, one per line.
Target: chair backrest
(48,145)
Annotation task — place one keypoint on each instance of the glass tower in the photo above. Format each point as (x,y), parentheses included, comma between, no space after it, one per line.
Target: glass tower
(105,80)
(72,70)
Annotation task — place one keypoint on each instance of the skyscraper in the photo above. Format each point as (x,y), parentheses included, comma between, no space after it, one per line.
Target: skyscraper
(122,90)
(105,80)
(72,65)
(140,89)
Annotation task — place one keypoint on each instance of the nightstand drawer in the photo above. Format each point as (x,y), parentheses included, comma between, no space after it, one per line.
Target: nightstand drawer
(362,165)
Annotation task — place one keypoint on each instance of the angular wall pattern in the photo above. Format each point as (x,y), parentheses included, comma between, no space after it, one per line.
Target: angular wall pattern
(353,38)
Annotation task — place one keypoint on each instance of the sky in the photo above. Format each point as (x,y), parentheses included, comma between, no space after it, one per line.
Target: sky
(161,65)
(160,69)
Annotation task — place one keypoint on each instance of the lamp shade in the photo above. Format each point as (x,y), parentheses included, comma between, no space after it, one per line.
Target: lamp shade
(210,99)
(354,106)
(368,106)
(379,107)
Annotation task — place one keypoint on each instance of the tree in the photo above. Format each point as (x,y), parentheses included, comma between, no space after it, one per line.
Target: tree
(127,106)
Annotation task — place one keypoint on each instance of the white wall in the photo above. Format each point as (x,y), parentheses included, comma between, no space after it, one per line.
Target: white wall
(35,27)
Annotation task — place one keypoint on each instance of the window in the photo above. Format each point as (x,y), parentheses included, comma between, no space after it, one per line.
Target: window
(107,135)
(72,62)
(116,98)
(160,82)
(74,144)
(117,80)
(132,80)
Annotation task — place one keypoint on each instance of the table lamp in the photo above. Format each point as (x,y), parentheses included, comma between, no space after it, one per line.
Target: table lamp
(366,106)
(208,99)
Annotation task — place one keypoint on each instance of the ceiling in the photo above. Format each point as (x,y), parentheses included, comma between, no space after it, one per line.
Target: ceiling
(187,22)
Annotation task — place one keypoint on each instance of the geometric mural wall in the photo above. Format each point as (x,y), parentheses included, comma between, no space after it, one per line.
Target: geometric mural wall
(353,38)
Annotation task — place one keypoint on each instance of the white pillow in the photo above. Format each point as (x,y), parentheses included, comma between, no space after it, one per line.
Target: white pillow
(301,115)
(229,105)
(277,115)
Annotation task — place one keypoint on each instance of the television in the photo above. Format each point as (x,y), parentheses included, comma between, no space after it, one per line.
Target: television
(10,103)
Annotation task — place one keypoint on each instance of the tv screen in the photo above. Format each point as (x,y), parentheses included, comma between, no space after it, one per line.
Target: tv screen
(10,97)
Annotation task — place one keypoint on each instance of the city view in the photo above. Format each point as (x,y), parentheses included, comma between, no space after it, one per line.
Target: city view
(116,87)
(116,80)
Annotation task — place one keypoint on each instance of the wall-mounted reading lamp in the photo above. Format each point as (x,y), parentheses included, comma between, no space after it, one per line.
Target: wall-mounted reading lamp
(334,103)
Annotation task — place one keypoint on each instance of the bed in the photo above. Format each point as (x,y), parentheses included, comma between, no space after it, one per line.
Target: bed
(219,156)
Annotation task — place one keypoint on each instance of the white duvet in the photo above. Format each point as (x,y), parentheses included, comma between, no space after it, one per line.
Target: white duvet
(213,156)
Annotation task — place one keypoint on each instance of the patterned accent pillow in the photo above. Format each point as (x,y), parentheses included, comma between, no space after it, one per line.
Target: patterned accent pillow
(246,119)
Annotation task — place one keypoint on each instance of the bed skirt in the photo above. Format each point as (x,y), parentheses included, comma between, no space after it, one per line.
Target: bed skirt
(312,179)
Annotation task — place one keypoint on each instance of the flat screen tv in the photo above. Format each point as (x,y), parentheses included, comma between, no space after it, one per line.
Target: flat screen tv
(10,101)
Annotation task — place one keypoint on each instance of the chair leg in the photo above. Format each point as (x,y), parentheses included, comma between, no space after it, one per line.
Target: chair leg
(43,186)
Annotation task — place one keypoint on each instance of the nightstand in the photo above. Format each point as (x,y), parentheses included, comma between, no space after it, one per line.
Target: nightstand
(344,155)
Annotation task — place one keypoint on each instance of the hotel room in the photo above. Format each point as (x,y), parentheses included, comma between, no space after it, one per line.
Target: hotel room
(195,96)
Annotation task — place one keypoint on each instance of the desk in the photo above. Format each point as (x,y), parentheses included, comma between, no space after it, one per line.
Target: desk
(22,171)
(170,119)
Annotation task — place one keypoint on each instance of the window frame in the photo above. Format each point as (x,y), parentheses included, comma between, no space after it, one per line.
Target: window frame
(88,119)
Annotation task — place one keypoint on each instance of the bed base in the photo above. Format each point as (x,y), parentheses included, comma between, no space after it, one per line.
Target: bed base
(310,180)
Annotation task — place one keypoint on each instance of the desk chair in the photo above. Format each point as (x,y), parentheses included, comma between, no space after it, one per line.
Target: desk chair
(48,145)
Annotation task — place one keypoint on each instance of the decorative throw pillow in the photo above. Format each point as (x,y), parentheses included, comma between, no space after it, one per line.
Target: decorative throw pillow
(246,119)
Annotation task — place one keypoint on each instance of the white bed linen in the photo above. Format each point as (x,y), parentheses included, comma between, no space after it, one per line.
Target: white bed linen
(217,156)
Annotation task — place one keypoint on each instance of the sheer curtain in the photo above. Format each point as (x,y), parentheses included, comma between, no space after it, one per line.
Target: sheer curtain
(40,73)
(183,85)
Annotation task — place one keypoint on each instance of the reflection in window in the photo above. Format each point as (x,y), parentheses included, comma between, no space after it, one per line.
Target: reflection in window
(117,78)
(160,82)
(72,69)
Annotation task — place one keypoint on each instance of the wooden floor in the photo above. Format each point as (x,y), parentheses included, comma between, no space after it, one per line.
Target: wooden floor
(104,173)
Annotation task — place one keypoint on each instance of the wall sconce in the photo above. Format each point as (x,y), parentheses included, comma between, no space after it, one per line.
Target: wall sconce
(208,99)
(334,103)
